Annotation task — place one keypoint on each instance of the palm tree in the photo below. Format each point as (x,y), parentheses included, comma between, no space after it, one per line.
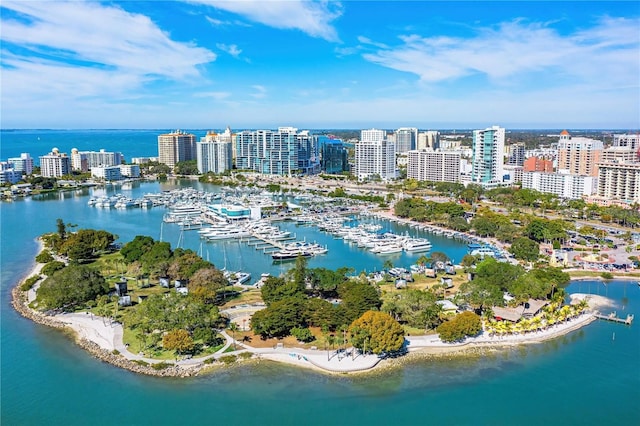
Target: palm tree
(233,327)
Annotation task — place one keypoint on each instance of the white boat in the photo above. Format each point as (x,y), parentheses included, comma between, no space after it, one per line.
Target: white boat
(417,245)
(483,251)
(237,277)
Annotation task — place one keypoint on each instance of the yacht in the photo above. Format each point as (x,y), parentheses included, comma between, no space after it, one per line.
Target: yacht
(417,245)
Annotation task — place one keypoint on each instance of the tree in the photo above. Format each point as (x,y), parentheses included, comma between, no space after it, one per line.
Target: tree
(302,334)
(357,298)
(188,167)
(378,331)
(279,317)
(44,257)
(133,250)
(178,340)
(461,326)
(72,286)
(525,249)
(185,263)
(61,229)
(205,283)
(417,308)
(276,288)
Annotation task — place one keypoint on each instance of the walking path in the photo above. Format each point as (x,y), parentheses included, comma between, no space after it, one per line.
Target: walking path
(109,336)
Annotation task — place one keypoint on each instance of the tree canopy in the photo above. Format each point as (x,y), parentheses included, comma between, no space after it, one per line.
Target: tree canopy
(377,332)
(71,286)
(462,325)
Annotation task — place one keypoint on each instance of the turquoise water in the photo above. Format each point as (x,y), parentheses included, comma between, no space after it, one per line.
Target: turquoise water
(589,377)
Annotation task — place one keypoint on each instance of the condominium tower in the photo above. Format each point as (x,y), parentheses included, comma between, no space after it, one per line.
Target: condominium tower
(176,147)
(406,139)
(578,155)
(55,164)
(433,166)
(214,153)
(487,159)
(375,156)
(282,152)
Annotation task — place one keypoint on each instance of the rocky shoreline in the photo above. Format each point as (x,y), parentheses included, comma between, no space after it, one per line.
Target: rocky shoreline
(20,304)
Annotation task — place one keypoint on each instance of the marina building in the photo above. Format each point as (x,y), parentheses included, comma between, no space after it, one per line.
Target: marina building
(579,155)
(55,164)
(176,147)
(433,166)
(560,184)
(487,158)
(406,139)
(22,164)
(214,153)
(375,159)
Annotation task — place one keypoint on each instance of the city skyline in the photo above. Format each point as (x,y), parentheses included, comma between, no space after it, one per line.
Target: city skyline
(245,64)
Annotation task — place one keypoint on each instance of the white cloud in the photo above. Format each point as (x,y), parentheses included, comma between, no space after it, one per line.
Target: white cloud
(219,96)
(514,49)
(76,49)
(311,17)
(260,92)
(231,49)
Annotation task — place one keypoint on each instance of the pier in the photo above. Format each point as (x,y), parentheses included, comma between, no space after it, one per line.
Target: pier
(613,316)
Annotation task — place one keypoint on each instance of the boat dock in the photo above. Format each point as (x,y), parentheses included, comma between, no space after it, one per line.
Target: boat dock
(613,316)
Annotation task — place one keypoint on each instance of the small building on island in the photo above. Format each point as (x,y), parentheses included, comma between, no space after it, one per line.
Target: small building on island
(527,310)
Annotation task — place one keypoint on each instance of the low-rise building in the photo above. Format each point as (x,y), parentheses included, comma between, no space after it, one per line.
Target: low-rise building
(107,173)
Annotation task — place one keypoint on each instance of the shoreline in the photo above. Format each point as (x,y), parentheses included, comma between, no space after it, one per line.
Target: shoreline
(108,346)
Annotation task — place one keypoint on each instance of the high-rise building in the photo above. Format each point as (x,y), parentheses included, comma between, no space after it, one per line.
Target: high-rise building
(406,139)
(631,141)
(176,147)
(214,153)
(487,158)
(55,164)
(372,135)
(515,156)
(333,155)
(375,159)
(428,140)
(619,181)
(22,164)
(433,166)
(579,155)
(281,152)
(619,154)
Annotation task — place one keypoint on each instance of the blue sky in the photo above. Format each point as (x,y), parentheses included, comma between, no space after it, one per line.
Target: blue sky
(320,64)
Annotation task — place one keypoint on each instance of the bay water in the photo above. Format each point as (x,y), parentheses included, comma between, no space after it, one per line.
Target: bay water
(589,377)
